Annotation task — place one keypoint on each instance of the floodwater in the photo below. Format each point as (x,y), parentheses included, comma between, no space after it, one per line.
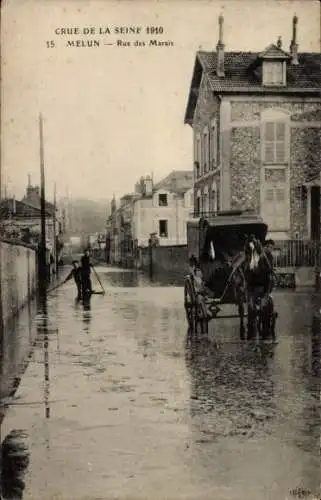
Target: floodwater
(118,404)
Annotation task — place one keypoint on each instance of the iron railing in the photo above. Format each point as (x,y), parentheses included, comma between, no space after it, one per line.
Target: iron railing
(203,213)
(297,253)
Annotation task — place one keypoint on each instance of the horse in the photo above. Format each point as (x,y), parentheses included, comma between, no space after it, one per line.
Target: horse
(258,274)
(223,274)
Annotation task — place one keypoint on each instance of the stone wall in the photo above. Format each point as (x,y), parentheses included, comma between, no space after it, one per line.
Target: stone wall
(19,281)
(165,259)
(305,163)
(251,109)
(207,108)
(18,275)
(245,156)
(245,168)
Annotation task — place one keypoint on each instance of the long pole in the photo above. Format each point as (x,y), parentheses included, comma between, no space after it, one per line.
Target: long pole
(42,252)
(54,231)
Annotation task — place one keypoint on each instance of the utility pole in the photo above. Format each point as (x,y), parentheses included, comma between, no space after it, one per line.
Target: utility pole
(42,246)
(54,231)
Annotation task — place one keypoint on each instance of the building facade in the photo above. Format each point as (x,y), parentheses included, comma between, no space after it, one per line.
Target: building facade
(162,210)
(119,234)
(256,120)
(158,212)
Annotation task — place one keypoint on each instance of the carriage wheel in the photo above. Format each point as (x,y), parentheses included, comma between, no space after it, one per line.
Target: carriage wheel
(202,319)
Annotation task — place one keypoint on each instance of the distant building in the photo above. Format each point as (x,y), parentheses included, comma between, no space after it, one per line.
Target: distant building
(159,211)
(32,200)
(119,239)
(21,220)
(163,209)
(256,118)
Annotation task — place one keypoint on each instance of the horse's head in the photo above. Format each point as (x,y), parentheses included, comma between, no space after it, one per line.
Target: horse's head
(252,252)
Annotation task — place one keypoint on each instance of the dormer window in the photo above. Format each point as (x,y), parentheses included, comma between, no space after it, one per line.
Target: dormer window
(274,73)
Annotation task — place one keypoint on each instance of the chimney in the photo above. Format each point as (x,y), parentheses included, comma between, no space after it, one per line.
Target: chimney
(294,45)
(113,205)
(220,49)
(279,43)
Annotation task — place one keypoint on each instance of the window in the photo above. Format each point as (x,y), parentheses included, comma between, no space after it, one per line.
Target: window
(213,201)
(197,155)
(275,199)
(213,144)
(198,203)
(162,200)
(274,142)
(273,73)
(163,228)
(197,169)
(205,207)
(206,152)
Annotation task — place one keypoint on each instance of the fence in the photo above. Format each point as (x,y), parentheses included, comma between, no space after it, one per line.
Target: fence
(297,253)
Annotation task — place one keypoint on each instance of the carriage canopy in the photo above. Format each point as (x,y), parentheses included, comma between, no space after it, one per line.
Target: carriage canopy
(227,231)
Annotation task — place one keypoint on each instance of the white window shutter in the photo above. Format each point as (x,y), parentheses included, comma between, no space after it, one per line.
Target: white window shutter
(275,142)
(275,206)
(270,131)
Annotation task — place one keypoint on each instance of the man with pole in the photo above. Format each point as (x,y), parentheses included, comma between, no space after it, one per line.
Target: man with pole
(86,266)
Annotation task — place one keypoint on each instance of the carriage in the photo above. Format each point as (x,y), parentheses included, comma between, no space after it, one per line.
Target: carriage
(217,252)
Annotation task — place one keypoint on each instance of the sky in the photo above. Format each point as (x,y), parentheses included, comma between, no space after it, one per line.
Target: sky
(114,113)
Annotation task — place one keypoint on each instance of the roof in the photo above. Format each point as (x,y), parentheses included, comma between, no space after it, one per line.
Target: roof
(274,52)
(21,209)
(229,231)
(243,74)
(313,180)
(178,181)
(231,218)
(34,201)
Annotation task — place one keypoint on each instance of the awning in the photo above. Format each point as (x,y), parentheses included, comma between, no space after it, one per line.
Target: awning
(315,181)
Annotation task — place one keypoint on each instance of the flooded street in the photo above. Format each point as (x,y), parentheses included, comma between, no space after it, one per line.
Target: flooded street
(117,403)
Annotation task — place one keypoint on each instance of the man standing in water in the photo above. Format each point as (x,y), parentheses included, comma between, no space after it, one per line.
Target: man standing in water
(85,273)
(76,274)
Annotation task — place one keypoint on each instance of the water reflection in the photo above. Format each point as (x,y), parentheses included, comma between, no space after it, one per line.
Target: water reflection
(135,278)
(86,317)
(15,458)
(216,414)
(231,392)
(316,349)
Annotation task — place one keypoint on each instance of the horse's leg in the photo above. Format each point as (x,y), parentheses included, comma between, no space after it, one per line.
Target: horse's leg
(241,314)
(266,318)
(251,318)
(265,322)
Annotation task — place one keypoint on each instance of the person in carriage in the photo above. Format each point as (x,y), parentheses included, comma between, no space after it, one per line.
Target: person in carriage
(258,272)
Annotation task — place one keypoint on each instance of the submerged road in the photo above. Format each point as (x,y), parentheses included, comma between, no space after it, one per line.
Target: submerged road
(118,405)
